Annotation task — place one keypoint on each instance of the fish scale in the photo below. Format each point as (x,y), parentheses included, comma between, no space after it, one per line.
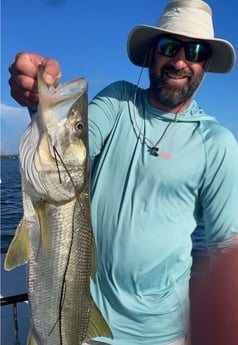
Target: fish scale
(46,273)
(81,246)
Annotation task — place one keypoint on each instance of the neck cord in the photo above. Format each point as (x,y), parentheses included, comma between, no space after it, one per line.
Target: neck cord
(153,147)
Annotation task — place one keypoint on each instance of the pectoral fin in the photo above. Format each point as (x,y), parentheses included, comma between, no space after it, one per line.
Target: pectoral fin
(31,340)
(19,250)
(98,326)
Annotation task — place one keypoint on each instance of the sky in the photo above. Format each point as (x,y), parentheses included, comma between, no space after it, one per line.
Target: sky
(89,39)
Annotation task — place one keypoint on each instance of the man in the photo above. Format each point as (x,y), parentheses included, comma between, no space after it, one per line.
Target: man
(160,163)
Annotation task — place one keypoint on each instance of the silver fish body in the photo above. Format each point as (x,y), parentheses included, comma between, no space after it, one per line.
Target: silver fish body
(55,234)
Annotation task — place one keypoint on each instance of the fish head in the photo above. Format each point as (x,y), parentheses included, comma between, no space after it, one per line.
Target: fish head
(62,157)
(70,137)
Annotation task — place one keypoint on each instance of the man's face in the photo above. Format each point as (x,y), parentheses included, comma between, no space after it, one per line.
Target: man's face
(174,79)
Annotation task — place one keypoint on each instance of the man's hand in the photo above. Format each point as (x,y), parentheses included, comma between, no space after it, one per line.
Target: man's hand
(23,79)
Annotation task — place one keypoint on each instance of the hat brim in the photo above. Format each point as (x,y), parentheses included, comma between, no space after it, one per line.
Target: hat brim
(141,38)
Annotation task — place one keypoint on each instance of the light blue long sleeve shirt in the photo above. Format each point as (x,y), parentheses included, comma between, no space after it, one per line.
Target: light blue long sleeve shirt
(145,207)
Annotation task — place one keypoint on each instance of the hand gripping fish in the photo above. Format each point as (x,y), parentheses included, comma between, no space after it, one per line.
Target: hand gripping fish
(54,236)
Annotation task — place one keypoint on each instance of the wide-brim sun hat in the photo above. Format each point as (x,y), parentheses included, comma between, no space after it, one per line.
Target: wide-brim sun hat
(187,18)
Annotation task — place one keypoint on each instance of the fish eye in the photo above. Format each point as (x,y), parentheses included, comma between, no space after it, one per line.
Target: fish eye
(79,126)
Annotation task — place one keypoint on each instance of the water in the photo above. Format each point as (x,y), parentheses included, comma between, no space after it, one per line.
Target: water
(11,203)
(14,282)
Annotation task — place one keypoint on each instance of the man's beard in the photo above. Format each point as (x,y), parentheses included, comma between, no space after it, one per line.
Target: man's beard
(170,95)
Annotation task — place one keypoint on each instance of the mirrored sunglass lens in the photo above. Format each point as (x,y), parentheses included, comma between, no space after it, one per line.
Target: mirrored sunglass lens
(168,47)
(196,52)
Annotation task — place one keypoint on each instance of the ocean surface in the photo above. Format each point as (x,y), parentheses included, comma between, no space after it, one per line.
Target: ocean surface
(11,203)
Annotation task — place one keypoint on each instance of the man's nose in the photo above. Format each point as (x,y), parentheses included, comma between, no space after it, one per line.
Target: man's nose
(179,60)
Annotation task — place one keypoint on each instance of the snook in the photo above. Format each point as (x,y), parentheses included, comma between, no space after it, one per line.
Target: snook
(54,236)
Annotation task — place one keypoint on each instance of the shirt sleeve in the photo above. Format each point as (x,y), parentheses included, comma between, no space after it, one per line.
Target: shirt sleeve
(104,109)
(219,193)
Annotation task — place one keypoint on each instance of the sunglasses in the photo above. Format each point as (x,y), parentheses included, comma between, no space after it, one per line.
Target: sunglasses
(194,51)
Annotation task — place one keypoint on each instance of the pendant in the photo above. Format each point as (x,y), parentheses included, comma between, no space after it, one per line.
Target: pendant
(155,151)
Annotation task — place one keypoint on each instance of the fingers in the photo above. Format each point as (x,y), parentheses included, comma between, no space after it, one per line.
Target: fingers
(25,96)
(52,72)
(23,77)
